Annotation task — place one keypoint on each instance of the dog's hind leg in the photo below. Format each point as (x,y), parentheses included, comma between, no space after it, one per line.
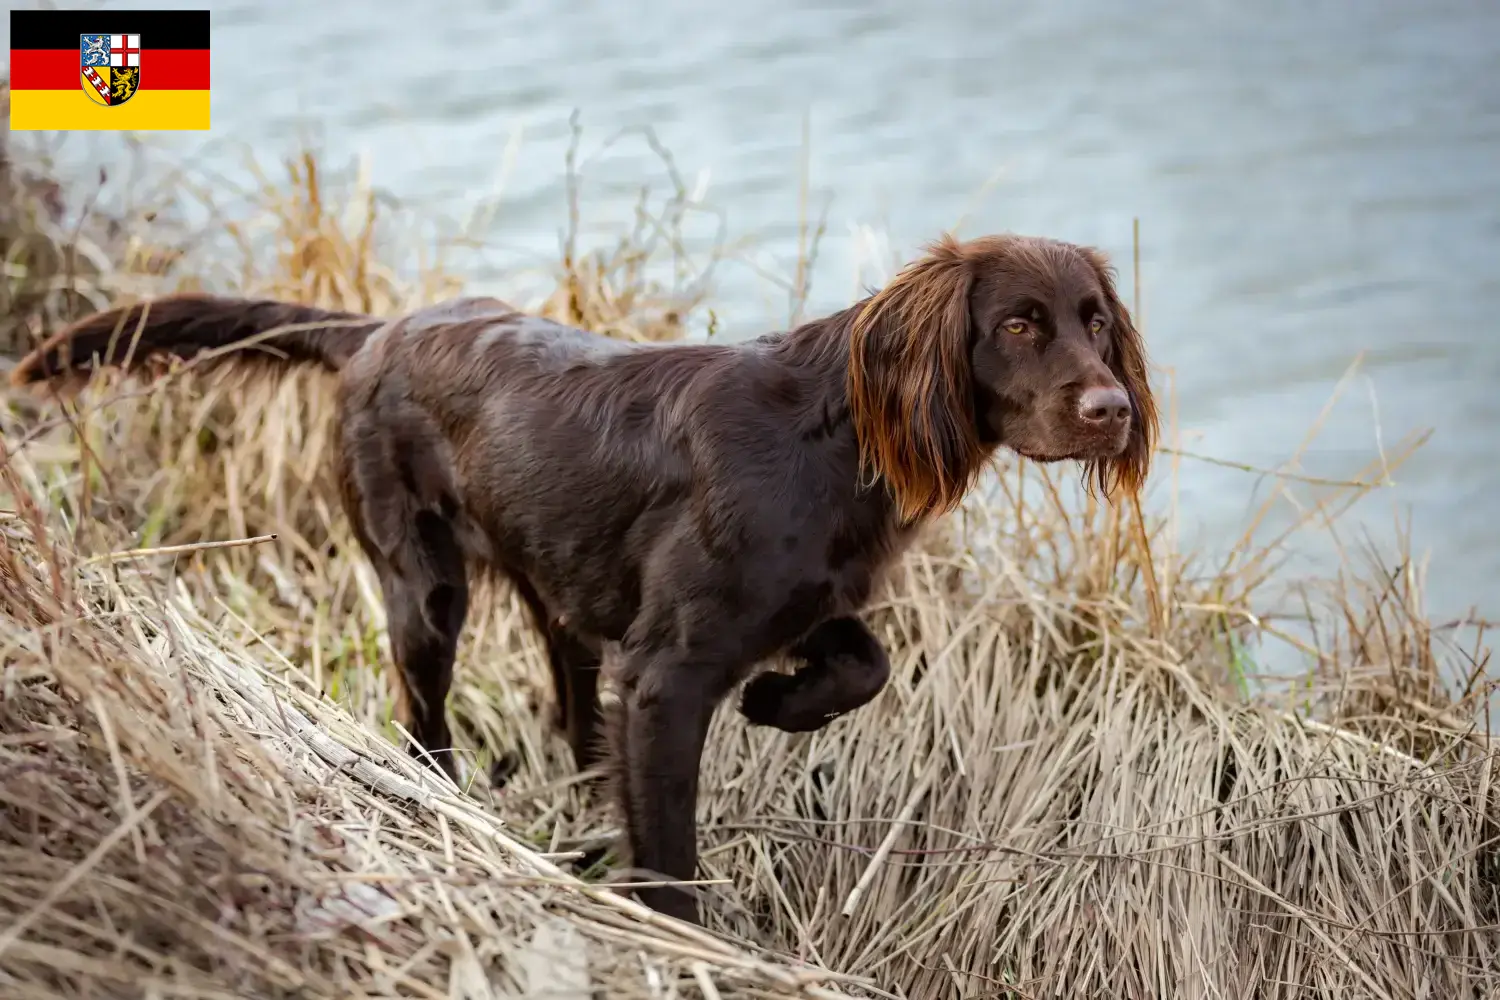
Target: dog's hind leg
(397,487)
(575,678)
(426,599)
(575,675)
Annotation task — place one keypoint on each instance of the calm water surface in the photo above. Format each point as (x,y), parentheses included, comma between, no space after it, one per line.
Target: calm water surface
(1314,180)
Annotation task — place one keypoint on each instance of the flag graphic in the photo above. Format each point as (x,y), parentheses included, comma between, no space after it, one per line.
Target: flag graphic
(109,70)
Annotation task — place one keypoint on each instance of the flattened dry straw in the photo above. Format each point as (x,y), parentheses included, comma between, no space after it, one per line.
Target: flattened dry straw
(1061,793)
(223,819)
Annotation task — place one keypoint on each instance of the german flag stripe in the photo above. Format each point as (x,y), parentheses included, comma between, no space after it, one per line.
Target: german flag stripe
(60,29)
(75,111)
(58,69)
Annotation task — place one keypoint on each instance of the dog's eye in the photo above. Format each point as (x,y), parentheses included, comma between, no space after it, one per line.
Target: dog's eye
(1016,326)
(1096,327)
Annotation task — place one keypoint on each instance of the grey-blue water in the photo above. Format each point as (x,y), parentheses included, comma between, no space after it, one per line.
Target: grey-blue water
(1314,179)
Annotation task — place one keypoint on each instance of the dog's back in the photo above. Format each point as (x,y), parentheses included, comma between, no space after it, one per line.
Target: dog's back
(556,454)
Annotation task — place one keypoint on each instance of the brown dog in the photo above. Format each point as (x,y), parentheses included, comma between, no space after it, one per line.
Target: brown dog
(689,510)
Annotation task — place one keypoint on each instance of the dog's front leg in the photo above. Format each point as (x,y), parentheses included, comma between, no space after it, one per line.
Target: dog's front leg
(666,706)
(846,667)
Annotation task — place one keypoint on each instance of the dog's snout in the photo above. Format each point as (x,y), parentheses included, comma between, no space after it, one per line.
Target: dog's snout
(1104,406)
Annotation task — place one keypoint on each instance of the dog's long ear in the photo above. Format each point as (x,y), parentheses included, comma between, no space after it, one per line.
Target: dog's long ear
(1128,363)
(911,397)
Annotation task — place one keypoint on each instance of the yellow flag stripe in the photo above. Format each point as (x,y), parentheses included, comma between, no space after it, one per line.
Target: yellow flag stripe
(147,111)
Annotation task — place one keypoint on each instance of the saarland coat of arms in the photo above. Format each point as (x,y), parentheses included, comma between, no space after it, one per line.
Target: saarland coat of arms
(111,67)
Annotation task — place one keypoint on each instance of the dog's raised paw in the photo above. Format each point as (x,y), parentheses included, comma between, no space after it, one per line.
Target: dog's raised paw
(784,701)
(763,702)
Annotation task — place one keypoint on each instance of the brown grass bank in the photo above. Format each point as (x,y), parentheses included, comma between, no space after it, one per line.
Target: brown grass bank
(1064,793)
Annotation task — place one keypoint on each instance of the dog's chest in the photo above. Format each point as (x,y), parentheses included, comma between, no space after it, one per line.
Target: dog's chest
(858,571)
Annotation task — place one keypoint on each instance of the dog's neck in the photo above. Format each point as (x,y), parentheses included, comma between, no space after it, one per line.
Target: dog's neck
(821,345)
(819,351)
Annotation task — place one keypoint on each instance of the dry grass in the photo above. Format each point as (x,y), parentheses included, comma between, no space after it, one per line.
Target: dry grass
(1064,792)
(53,265)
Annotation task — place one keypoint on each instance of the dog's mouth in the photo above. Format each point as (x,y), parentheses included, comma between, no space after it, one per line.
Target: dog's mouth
(1045,459)
(1094,448)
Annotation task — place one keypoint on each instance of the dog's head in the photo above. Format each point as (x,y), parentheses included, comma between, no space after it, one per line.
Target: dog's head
(1003,340)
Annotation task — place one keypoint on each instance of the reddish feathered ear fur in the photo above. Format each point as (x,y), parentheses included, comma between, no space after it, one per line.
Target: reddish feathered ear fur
(910,384)
(1128,363)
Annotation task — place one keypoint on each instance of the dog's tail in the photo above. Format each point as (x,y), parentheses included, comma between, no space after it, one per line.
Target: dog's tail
(187,325)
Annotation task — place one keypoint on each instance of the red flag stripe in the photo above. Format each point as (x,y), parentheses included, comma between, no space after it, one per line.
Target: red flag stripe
(60,69)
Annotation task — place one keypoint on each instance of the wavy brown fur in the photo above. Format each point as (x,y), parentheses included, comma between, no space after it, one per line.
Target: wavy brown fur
(186,326)
(677,514)
(910,394)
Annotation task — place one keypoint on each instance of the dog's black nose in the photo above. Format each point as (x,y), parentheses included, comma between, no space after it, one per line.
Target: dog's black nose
(1104,406)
